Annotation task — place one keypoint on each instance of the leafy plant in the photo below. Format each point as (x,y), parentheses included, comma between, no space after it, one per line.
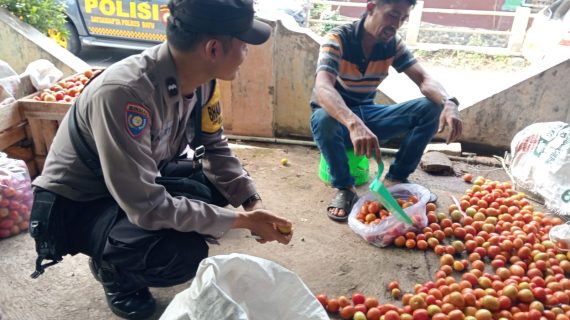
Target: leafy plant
(44,15)
(329,15)
(318,9)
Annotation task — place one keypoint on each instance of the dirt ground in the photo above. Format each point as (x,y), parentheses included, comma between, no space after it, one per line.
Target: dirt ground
(328,256)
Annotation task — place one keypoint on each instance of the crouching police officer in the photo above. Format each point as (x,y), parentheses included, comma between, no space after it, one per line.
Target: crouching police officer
(114,186)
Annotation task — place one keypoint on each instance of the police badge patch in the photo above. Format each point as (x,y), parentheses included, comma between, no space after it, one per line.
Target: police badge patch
(137,118)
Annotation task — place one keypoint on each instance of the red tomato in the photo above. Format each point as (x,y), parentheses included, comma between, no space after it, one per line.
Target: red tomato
(347,312)
(360,307)
(373,207)
(420,314)
(358,298)
(332,305)
(322,299)
(59,96)
(392,315)
(371,302)
(374,314)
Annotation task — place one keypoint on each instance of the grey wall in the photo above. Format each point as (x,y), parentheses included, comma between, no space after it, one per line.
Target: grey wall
(541,97)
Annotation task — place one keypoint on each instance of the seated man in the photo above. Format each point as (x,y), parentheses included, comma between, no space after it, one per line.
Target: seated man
(114,187)
(353,60)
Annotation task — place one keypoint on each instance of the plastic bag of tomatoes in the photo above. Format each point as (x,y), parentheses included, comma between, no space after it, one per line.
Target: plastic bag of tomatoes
(15,196)
(370,220)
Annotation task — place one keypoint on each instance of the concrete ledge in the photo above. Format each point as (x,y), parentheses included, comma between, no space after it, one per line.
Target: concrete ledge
(22,44)
(541,97)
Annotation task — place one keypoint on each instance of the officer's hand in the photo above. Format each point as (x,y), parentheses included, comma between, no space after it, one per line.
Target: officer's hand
(364,141)
(264,225)
(450,117)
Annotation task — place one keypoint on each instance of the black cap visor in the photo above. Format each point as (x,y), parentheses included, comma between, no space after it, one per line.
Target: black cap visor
(257,34)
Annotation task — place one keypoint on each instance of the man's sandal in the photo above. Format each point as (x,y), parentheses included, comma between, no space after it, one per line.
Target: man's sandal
(344,199)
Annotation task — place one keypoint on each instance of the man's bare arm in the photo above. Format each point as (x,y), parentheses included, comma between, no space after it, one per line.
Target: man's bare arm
(363,140)
(434,91)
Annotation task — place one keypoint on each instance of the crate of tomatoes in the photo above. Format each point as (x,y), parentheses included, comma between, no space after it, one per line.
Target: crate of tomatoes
(65,90)
(15,196)
(45,109)
(375,224)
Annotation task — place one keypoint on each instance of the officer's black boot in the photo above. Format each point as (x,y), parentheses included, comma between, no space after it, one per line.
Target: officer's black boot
(125,298)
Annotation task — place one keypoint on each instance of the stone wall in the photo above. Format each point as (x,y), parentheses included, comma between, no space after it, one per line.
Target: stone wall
(460,38)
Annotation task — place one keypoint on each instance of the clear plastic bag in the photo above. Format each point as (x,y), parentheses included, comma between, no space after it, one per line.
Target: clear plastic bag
(383,233)
(6,70)
(43,73)
(8,89)
(15,196)
(9,82)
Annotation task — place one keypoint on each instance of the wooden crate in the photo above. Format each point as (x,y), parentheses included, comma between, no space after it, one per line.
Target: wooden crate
(13,138)
(43,119)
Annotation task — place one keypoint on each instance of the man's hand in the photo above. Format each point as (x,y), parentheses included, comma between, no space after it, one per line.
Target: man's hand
(264,225)
(364,141)
(450,117)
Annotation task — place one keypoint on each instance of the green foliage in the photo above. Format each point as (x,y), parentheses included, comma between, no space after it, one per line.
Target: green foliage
(318,9)
(44,15)
(324,12)
(329,15)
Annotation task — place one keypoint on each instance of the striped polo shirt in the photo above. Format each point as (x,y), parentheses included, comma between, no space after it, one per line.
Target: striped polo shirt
(357,78)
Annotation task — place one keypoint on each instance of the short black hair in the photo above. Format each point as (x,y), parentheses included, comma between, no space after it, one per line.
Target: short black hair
(381,2)
(185,40)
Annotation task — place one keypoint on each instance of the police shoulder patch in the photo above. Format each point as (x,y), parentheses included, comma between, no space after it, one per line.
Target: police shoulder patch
(137,118)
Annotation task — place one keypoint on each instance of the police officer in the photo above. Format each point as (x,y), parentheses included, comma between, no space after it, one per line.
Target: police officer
(114,186)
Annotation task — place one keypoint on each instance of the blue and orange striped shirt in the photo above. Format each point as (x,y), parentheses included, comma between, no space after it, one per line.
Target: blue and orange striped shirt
(356,77)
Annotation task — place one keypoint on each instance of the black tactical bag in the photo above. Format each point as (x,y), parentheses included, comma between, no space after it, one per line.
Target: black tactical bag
(46,227)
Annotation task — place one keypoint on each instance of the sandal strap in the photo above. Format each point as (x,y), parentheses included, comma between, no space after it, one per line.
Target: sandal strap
(344,199)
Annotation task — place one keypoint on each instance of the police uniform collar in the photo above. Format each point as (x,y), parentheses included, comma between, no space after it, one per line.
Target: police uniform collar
(167,77)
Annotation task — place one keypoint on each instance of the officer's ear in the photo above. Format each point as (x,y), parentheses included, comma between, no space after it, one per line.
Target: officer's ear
(212,48)
(370,6)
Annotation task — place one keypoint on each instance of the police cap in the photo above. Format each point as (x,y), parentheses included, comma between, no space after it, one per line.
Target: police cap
(220,17)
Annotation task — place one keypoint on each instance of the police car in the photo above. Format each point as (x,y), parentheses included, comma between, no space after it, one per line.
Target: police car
(125,24)
(128,24)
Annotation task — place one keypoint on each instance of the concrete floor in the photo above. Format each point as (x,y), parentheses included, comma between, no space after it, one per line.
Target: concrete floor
(328,256)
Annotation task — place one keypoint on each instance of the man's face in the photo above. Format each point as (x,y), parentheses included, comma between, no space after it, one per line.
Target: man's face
(231,59)
(386,19)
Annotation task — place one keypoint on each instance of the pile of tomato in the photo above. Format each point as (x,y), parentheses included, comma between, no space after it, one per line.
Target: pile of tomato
(373,212)
(496,262)
(68,89)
